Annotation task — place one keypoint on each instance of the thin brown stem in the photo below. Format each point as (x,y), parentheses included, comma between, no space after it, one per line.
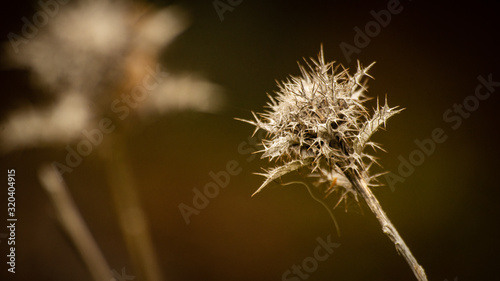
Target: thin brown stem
(319,201)
(387,227)
(73,223)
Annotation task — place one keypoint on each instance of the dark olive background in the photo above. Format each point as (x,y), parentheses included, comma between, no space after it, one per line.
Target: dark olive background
(428,58)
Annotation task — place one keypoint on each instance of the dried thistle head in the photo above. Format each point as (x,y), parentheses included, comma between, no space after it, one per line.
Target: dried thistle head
(318,121)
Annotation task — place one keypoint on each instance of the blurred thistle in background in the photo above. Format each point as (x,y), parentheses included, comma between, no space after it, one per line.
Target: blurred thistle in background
(96,62)
(92,53)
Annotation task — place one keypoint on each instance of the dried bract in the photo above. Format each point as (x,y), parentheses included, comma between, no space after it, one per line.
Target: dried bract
(318,121)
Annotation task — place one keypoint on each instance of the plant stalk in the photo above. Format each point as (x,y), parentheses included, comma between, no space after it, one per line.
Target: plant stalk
(73,223)
(131,215)
(387,227)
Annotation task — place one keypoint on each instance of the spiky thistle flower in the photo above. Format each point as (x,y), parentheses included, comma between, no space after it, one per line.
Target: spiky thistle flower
(318,122)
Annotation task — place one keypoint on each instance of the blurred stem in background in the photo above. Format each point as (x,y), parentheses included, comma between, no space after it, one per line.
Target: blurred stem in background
(131,217)
(73,223)
(130,213)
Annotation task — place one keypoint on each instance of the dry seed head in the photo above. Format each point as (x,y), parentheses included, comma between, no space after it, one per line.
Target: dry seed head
(318,121)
